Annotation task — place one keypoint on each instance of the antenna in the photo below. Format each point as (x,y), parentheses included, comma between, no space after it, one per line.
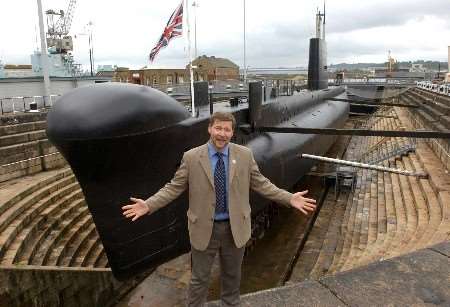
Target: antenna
(324,15)
(320,23)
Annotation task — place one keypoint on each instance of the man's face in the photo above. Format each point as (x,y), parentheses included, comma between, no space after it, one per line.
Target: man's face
(220,133)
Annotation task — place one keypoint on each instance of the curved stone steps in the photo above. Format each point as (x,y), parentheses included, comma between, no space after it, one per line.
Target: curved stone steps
(20,138)
(77,247)
(18,189)
(38,227)
(343,229)
(439,183)
(21,118)
(433,96)
(72,240)
(94,254)
(329,246)
(385,213)
(84,250)
(443,233)
(355,234)
(13,219)
(373,215)
(366,230)
(359,237)
(314,245)
(26,225)
(401,214)
(102,262)
(350,227)
(43,253)
(30,252)
(350,212)
(10,216)
(93,249)
(23,127)
(74,227)
(432,159)
(18,152)
(421,201)
(377,250)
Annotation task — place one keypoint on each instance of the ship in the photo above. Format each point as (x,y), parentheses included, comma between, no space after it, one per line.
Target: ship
(126,140)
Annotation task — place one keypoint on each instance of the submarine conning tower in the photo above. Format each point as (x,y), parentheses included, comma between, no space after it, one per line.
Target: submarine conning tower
(317,67)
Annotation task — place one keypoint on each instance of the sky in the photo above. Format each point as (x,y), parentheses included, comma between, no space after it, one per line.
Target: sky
(277,32)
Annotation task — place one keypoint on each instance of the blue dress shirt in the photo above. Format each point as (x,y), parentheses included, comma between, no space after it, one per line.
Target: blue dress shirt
(213,159)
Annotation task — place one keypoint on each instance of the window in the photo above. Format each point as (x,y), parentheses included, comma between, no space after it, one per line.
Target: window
(180,79)
(169,79)
(155,80)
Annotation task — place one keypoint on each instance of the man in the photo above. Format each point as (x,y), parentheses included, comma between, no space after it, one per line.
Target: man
(219,175)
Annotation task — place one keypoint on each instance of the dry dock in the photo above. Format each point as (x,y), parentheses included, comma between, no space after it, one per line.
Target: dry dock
(378,239)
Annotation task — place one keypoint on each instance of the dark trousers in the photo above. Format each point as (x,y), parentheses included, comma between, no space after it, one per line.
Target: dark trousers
(230,268)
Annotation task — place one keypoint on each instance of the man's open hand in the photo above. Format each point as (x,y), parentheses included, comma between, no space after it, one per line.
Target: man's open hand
(135,210)
(303,204)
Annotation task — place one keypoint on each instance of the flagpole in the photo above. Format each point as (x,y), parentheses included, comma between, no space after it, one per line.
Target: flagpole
(245,55)
(191,72)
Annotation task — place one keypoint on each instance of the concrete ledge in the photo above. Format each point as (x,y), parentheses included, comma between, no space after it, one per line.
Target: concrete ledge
(417,279)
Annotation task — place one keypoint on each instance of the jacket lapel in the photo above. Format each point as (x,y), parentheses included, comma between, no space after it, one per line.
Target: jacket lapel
(205,163)
(231,163)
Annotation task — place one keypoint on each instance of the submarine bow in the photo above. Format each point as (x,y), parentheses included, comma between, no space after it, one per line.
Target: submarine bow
(105,134)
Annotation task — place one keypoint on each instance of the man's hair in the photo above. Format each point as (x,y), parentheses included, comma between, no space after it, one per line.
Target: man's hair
(222,116)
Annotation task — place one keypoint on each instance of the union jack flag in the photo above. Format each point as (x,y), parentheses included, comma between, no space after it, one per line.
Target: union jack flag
(173,29)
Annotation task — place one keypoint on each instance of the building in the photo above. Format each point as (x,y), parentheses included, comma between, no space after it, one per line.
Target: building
(217,68)
(207,69)
(16,71)
(155,77)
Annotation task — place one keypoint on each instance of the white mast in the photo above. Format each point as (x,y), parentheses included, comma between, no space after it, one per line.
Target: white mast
(245,55)
(195,5)
(44,58)
(191,72)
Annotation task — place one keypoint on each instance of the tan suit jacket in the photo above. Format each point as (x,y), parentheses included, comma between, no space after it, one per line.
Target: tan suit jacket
(195,173)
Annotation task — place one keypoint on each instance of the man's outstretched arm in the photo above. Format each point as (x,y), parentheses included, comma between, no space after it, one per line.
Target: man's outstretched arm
(164,196)
(263,186)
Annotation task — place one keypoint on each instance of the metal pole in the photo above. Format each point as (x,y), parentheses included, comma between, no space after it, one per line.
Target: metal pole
(195,5)
(44,58)
(191,72)
(245,52)
(91,49)
(366,166)
(90,53)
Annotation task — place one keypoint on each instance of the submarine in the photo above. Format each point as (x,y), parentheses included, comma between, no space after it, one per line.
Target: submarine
(126,140)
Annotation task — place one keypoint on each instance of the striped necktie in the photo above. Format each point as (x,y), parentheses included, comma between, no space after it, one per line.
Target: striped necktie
(220,184)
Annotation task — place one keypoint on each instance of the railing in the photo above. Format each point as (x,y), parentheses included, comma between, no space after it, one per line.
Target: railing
(26,103)
(443,89)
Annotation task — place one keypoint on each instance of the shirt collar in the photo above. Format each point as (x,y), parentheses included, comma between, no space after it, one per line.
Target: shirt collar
(212,150)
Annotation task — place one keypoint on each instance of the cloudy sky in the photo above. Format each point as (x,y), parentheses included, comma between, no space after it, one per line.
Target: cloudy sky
(277,31)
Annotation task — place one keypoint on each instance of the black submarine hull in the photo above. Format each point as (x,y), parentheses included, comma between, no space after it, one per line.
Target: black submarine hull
(128,140)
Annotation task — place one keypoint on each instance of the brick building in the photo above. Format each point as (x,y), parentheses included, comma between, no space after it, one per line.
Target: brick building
(208,69)
(217,68)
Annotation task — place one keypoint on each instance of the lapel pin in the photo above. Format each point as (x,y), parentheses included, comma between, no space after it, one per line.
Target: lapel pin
(233,161)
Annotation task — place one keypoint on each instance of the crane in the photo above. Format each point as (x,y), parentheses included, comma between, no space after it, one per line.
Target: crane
(59,23)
